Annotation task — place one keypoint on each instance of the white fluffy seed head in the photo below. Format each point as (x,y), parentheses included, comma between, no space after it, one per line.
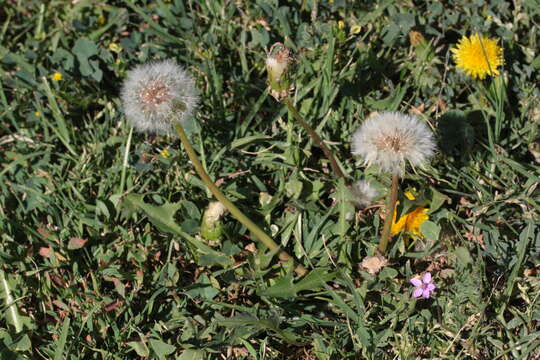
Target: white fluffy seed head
(391,139)
(364,193)
(157,95)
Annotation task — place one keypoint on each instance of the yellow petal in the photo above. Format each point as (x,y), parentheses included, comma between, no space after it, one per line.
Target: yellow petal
(415,219)
(400,225)
(409,195)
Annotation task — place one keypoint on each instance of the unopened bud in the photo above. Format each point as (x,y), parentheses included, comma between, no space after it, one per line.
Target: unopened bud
(211,227)
(277,64)
(416,38)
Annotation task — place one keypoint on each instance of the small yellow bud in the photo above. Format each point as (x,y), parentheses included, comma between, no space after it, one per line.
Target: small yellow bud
(341,24)
(165,153)
(355,29)
(101,20)
(37,114)
(115,47)
(57,76)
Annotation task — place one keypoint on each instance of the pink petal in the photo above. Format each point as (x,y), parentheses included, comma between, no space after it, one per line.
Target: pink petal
(418,292)
(416,282)
(431,287)
(426,294)
(426,278)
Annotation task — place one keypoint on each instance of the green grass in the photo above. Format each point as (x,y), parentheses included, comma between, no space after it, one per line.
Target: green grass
(144,283)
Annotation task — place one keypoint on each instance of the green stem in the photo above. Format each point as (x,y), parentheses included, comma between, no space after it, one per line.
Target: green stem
(389,217)
(236,212)
(315,137)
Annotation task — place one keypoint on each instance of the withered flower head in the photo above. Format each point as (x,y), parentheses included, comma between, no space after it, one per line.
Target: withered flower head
(277,66)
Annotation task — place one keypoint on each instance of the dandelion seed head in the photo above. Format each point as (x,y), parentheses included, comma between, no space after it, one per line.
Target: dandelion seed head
(364,193)
(391,139)
(157,95)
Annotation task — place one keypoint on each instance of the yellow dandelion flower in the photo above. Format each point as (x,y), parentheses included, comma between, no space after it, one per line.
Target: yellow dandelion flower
(341,24)
(37,114)
(410,222)
(57,76)
(478,56)
(415,219)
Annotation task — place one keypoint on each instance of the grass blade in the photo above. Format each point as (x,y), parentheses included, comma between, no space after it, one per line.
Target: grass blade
(12,313)
(61,343)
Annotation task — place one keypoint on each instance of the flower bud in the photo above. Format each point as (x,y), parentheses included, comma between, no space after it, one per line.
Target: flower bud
(211,227)
(416,38)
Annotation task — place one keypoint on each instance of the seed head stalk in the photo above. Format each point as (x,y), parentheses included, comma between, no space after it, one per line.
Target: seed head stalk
(315,137)
(236,212)
(390,206)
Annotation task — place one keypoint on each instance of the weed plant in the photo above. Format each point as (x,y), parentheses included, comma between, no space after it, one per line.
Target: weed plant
(108,250)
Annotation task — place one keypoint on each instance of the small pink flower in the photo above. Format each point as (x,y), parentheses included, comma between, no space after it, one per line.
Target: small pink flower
(424,286)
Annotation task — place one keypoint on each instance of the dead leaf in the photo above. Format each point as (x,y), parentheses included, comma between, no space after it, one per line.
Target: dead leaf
(46,251)
(76,243)
(373,264)
(534,271)
(477,238)
(251,248)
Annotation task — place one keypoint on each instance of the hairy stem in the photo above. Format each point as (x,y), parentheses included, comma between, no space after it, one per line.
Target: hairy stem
(315,137)
(236,212)
(389,217)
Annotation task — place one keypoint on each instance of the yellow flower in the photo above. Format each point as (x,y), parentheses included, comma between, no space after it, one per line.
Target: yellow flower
(478,56)
(355,29)
(115,47)
(37,114)
(410,222)
(341,24)
(415,219)
(165,153)
(57,76)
